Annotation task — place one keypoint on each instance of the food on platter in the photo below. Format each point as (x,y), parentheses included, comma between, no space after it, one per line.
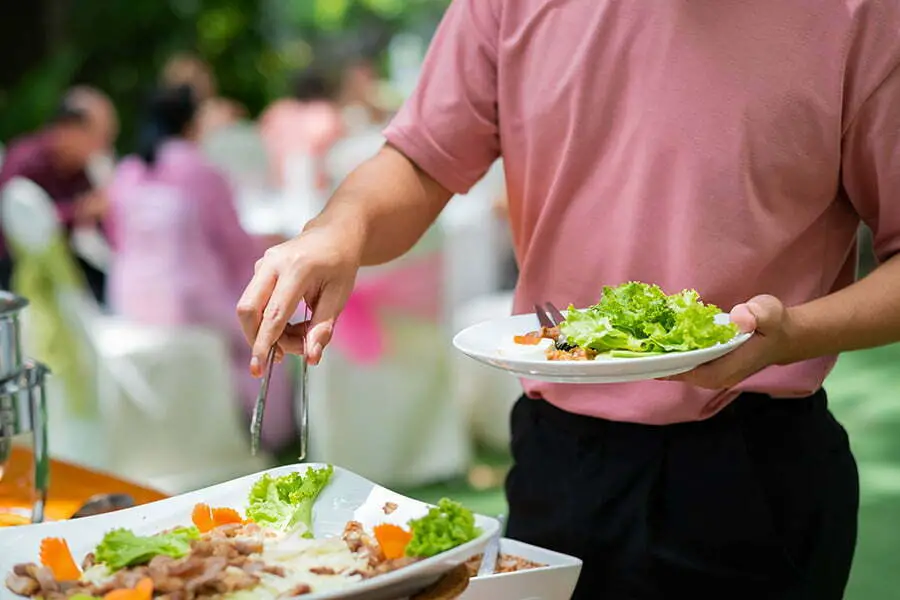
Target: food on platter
(265,549)
(506,563)
(632,320)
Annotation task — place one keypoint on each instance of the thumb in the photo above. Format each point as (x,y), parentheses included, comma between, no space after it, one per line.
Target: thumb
(761,313)
(326,309)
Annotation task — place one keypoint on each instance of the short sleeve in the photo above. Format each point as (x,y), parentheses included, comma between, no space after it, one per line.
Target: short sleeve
(871,165)
(448,127)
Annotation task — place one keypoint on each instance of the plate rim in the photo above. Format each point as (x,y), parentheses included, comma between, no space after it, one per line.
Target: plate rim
(583,369)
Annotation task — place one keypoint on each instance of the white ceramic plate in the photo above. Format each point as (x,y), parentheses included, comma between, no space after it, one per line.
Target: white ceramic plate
(347,497)
(492,343)
(555,581)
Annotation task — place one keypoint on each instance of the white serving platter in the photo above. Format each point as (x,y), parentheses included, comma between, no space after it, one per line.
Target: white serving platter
(347,497)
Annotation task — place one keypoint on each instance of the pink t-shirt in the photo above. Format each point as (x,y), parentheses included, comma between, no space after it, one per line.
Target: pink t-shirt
(727,146)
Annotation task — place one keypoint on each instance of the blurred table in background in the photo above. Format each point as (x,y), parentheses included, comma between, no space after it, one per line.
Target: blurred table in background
(70,487)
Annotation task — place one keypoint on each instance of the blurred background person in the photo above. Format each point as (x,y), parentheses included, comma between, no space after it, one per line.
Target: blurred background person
(57,158)
(359,94)
(213,111)
(309,123)
(181,256)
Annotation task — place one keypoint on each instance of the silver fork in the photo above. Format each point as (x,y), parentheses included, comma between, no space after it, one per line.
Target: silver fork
(549,316)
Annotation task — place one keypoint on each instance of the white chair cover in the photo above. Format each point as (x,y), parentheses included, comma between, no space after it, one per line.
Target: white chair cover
(392,420)
(484,394)
(165,414)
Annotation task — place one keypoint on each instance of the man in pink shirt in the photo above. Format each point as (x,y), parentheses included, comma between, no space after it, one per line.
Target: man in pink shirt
(732,147)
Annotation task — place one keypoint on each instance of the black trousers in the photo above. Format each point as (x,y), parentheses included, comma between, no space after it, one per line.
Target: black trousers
(759,502)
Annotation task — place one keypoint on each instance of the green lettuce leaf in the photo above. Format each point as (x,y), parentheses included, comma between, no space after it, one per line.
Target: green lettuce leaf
(639,319)
(446,526)
(286,502)
(121,548)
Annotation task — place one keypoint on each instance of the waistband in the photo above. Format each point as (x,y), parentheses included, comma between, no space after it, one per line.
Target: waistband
(748,405)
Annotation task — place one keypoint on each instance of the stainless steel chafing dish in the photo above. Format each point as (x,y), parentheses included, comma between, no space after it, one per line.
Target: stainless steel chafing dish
(11,307)
(23,410)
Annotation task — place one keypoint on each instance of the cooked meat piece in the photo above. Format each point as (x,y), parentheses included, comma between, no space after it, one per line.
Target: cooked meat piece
(392,565)
(212,568)
(88,562)
(390,507)
(187,567)
(229,530)
(573,354)
(551,333)
(247,547)
(298,590)
(22,585)
(128,578)
(233,580)
(507,563)
(274,570)
(44,577)
(362,544)
(323,571)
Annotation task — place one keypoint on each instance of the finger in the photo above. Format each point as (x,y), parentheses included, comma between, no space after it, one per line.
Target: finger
(326,308)
(743,318)
(254,299)
(278,310)
(768,312)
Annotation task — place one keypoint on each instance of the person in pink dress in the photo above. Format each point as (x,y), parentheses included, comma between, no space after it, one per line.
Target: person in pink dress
(309,123)
(181,255)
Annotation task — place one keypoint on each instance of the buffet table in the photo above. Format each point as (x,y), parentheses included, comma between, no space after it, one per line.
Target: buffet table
(70,486)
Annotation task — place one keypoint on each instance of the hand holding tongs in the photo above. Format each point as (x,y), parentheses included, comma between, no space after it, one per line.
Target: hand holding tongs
(259,408)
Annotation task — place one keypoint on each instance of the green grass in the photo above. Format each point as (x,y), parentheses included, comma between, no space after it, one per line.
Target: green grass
(864,392)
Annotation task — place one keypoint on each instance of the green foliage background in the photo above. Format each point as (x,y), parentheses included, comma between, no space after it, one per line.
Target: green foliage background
(253,45)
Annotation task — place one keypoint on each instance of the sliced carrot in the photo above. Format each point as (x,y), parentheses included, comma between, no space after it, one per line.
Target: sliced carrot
(529,339)
(142,591)
(203,518)
(56,556)
(207,519)
(392,539)
(225,516)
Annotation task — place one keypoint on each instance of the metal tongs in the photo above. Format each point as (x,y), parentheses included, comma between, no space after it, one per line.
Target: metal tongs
(259,408)
(303,395)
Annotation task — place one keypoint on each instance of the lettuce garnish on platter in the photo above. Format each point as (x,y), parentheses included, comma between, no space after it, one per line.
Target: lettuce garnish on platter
(285,503)
(639,319)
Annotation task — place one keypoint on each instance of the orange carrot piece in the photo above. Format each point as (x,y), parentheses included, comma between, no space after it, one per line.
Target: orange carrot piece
(142,591)
(225,516)
(527,340)
(393,540)
(56,556)
(203,518)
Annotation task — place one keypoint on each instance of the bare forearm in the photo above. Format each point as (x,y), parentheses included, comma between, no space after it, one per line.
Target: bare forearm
(863,315)
(384,206)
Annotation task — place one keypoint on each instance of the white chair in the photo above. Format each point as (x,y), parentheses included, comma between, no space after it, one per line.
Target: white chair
(392,419)
(484,394)
(162,412)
